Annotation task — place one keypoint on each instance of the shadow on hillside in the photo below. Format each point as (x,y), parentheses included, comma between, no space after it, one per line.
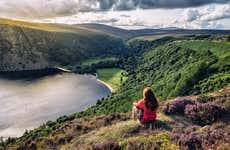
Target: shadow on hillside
(158,124)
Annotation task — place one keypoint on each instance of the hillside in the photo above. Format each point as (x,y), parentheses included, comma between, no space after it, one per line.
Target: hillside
(194,67)
(195,122)
(170,70)
(28,46)
(25,46)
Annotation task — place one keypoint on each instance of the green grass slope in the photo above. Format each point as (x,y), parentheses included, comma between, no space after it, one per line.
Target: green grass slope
(112,76)
(219,48)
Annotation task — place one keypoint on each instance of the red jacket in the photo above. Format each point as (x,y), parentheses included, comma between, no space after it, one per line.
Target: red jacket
(148,115)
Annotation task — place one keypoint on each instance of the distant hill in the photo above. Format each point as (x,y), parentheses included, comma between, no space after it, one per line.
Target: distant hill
(107,29)
(129,34)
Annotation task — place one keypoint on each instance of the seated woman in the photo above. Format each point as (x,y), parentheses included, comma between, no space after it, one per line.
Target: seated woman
(145,110)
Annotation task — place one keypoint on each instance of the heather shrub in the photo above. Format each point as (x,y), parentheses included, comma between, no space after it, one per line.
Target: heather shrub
(177,106)
(61,141)
(78,127)
(192,128)
(47,143)
(203,114)
(192,141)
(217,125)
(205,99)
(217,134)
(196,137)
(187,138)
(181,131)
(28,146)
(106,146)
(150,145)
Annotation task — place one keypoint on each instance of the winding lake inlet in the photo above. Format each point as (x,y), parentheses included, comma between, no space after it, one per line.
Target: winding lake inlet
(26,104)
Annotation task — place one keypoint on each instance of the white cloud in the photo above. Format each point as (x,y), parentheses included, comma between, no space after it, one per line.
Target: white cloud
(211,16)
(191,15)
(56,8)
(217,13)
(44,8)
(87,11)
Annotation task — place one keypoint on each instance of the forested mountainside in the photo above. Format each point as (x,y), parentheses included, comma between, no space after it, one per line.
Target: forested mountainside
(26,46)
(172,67)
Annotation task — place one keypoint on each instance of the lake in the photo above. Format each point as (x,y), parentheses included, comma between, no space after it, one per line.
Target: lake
(28,103)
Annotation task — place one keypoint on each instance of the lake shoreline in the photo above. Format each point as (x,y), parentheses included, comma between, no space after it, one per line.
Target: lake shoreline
(44,72)
(104,83)
(107,85)
(37,73)
(31,92)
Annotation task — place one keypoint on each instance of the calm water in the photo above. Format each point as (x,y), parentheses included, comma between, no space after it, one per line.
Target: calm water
(26,104)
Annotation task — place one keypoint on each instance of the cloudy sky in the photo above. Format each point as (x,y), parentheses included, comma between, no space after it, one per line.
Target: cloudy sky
(206,14)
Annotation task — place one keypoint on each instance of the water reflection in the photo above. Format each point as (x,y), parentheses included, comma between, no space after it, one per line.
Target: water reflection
(25,104)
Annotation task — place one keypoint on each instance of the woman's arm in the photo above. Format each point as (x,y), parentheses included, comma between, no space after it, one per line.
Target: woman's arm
(137,104)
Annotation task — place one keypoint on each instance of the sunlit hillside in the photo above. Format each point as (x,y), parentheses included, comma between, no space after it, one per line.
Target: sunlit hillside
(26,45)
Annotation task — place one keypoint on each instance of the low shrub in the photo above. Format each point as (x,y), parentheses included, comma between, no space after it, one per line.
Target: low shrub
(177,106)
(106,146)
(197,137)
(61,141)
(205,99)
(203,114)
(192,141)
(28,146)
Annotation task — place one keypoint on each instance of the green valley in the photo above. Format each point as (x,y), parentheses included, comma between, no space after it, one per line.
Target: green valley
(190,74)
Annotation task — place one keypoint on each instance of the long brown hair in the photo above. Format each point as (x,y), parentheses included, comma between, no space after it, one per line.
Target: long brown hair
(150,97)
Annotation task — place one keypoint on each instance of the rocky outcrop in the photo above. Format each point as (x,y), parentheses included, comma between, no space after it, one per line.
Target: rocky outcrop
(18,52)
